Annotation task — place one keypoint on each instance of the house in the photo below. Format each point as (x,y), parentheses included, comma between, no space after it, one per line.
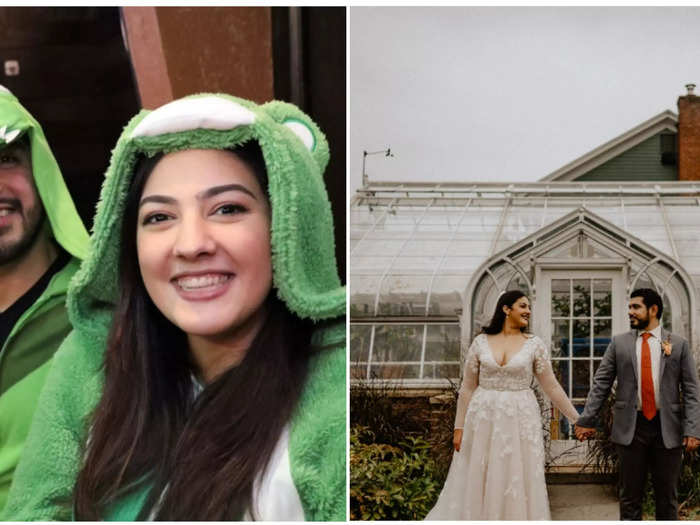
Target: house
(428,260)
(647,152)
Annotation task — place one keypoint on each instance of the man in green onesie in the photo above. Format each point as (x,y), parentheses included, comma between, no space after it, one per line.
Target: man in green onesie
(42,241)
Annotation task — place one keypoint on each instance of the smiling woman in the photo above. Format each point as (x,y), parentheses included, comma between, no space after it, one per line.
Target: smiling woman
(212,289)
(203,247)
(497,425)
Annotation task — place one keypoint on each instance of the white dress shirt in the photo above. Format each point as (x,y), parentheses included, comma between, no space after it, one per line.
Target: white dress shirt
(655,350)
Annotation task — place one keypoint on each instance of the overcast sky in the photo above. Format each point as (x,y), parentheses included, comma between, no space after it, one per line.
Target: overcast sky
(504,93)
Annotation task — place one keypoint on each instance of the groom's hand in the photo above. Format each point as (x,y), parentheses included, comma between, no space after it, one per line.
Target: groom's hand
(690,443)
(457,438)
(583,432)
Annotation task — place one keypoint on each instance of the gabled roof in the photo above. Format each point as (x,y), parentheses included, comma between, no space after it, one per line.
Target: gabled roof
(664,121)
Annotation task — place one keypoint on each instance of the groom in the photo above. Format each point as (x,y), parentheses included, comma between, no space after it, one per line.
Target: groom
(651,423)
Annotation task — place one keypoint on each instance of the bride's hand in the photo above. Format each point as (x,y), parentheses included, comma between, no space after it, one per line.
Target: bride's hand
(457,439)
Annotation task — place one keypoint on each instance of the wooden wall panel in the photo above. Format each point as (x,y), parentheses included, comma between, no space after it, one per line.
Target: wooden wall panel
(76,79)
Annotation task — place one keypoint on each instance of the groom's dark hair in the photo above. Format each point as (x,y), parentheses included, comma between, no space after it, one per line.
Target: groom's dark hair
(649,298)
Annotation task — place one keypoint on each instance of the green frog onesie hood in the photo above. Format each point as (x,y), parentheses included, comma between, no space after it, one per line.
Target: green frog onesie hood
(295,153)
(68,229)
(305,278)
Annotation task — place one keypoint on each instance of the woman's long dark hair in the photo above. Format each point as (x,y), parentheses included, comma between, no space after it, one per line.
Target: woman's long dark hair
(508,299)
(150,428)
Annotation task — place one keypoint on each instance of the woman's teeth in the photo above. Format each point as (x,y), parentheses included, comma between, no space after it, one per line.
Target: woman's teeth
(201,281)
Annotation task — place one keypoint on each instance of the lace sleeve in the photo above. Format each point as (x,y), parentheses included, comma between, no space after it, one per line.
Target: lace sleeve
(548,381)
(470,380)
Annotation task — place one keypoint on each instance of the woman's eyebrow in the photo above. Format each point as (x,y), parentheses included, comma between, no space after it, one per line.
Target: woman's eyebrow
(160,199)
(206,194)
(211,192)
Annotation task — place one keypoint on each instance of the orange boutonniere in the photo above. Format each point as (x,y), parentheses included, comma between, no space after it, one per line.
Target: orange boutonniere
(666,346)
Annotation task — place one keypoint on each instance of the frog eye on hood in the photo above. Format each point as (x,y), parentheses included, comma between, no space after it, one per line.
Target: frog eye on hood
(209,112)
(3,89)
(301,130)
(8,136)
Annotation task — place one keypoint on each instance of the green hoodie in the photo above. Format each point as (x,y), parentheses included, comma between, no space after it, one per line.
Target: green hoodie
(305,278)
(27,351)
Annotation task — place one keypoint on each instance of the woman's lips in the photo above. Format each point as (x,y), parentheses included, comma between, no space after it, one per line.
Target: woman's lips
(201,287)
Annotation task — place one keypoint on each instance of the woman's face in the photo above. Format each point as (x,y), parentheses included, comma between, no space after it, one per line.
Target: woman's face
(203,242)
(519,312)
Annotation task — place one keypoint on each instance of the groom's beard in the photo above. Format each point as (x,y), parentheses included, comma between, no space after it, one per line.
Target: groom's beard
(639,323)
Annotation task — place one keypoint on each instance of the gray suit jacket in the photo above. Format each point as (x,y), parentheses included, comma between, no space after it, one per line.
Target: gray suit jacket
(680,416)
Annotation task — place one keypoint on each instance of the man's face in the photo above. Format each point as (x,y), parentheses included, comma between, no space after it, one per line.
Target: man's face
(639,314)
(21,212)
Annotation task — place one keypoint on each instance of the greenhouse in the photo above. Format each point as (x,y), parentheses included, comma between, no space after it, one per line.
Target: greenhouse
(428,262)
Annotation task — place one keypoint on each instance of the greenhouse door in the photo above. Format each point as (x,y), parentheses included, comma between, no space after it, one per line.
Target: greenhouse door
(578,312)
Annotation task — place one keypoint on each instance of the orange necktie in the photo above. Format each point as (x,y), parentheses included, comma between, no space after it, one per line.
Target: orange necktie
(648,401)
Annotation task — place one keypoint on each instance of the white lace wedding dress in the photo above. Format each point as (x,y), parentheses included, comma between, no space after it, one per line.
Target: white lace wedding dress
(498,474)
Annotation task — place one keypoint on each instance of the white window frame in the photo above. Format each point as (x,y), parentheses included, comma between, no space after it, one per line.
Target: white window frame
(569,452)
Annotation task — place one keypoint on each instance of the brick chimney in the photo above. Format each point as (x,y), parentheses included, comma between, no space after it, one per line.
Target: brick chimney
(689,135)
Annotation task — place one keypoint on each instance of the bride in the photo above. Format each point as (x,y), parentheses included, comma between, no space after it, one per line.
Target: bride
(497,471)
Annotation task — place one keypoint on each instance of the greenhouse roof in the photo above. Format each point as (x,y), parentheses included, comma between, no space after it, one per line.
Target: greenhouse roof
(485,189)
(411,243)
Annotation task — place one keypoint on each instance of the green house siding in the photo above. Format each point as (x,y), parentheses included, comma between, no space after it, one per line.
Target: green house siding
(640,163)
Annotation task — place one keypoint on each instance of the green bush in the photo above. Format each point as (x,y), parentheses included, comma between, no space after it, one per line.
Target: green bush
(391,482)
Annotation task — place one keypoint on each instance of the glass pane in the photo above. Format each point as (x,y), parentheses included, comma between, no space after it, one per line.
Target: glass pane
(602,297)
(518,282)
(582,297)
(560,297)
(602,334)
(463,265)
(470,247)
(561,371)
(359,342)
(581,343)
(387,371)
(560,338)
(667,314)
(587,248)
(403,295)
(444,371)
(384,248)
(421,247)
(363,292)
(442,343)
(581,378)
(370,262)
(397,343)
(445,296)
(405,263)
(568,249)
(358,371)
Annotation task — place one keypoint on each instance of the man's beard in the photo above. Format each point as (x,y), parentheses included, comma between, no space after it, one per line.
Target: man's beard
(32,223)
(641,323)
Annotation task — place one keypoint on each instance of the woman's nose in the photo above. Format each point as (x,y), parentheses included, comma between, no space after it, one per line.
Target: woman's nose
(193,238)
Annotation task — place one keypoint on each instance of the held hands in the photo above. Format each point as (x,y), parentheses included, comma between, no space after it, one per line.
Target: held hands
(690,443)
(583,433)
(457,438)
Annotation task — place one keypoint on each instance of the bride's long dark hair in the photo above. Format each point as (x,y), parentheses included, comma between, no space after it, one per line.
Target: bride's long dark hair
(200,454)
(508,299)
